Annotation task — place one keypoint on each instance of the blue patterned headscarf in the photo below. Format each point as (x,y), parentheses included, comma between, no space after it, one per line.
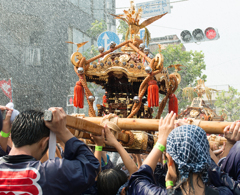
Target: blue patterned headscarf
(189,148)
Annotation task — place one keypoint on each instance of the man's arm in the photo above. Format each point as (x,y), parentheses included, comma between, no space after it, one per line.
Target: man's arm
(76,172)
(78,169)
(112,141)
(5,130)
(219,178)
(99,141)
(142,183)
(166,125)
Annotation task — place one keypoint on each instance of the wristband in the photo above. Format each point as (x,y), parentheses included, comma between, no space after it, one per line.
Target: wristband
(3,134)
(106,163)
(98,148)
(164,161)
(169,183)
(160,147)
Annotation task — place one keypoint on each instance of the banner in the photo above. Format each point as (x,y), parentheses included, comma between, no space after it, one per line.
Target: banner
(6,88)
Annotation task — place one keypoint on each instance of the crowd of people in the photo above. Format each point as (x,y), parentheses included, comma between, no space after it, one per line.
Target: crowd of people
(180,163)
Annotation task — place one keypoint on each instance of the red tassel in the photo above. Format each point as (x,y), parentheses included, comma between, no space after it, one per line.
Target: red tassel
(153,94)
(104,100)
(173,104)
(78,100)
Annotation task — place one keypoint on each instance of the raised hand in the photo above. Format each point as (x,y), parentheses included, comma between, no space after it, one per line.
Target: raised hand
(58,124)
(99,140)
(181,122)
(6,127)
(110,139)
(232,133)
(7,122)
(59,120)
(166,125)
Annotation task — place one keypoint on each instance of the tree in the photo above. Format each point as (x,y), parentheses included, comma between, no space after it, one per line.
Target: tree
(94,31)
(122,29)
(91,52)
(229,103)
(97,28)
(193,70)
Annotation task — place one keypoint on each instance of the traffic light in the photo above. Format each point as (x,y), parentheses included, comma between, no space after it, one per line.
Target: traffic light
(199,35)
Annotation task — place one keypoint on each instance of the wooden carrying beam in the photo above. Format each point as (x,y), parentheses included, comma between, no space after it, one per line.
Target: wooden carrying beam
(139,52)
(80,124)
(212,127)
(108,51)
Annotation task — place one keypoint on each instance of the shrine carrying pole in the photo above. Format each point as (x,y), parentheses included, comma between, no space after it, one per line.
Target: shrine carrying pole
(74,123)
(211,127)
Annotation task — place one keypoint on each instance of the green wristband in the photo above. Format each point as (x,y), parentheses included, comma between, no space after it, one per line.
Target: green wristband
(169,183)
(98,148)
(3,134)
(160,147)
(164,161)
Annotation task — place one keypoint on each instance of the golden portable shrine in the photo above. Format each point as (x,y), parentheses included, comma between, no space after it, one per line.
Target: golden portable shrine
(131,76)
(201,111)
(133,79)
(198,108)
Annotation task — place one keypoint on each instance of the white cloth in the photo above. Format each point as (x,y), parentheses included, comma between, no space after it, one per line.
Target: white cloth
(115,158)
(14,113)
(52,145)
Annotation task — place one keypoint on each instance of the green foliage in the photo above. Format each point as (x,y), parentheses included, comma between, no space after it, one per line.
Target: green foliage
(94,31)
(188,92)
(194,62)
(97,28)
(122,29)
(229,101)
(91,52)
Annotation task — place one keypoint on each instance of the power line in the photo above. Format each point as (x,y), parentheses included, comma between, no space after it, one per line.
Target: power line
(153,4)
(167,27)
(144,6)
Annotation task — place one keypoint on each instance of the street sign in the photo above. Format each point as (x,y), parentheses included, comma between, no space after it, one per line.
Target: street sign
(106,38)
(142,32)
(154,8)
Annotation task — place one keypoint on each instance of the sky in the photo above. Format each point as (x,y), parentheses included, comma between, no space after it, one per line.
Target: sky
(222,56)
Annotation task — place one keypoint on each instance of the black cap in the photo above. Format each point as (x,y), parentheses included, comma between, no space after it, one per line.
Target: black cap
(1,120)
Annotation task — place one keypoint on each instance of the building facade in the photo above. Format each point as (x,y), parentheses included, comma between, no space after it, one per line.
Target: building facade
(164,41)
(34,52)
